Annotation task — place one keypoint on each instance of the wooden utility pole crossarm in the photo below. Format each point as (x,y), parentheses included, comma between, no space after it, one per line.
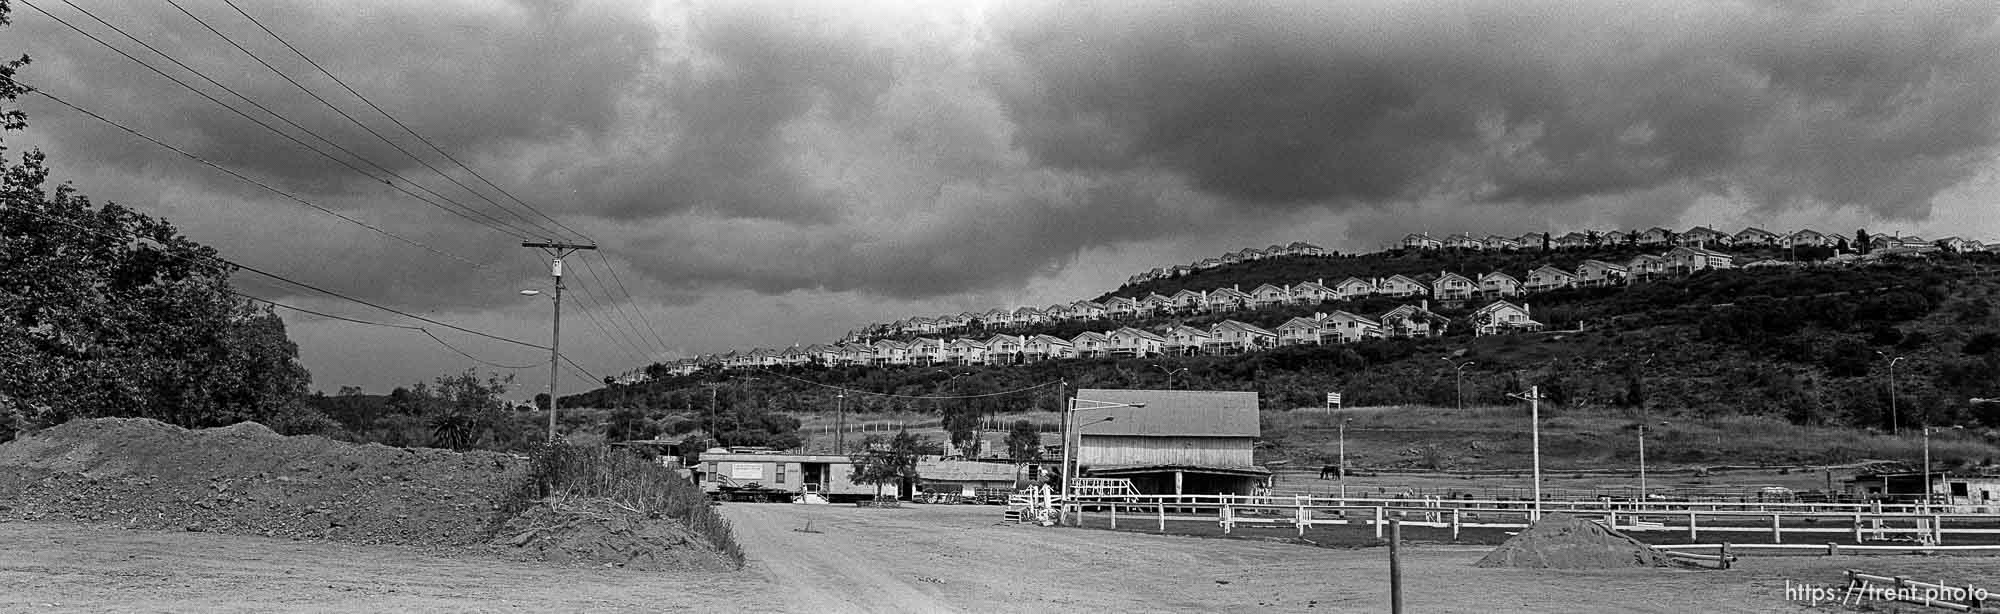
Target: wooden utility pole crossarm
(556,253)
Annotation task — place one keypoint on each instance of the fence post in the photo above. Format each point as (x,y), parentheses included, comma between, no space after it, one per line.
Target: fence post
(1777,534)
(1224,512)
(1378,522)
(1832,549)
(1725,555)
(1114,516)
(1454,524)
(1163,515)
(1612,517)
(1937,530)
(1857,527)
(1305,519)
(1692,535)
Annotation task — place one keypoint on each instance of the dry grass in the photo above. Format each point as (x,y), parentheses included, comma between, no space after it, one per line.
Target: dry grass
(565,471)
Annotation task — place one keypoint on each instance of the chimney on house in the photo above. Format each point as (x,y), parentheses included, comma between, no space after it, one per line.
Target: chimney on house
(1424,304)
(1322,281)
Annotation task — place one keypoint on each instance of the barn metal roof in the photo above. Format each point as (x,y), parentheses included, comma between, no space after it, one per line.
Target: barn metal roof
(1170,413)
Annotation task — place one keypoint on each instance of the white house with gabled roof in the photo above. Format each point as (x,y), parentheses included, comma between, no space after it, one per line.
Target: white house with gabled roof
(1312,293)
(1183,340)
(1046,347)
(1502,317)
(1233,337)
(1268,295)
(1128,342)
(1548,278)
(1091,344)
(1401,285)
(1600,273)
(1301,331)
(1451,286)
(1412,321)
(1354,288)
(1495,283)
(1344,327)
(1227,299)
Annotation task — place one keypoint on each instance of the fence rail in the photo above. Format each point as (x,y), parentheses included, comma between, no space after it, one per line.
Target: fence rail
(1775,524)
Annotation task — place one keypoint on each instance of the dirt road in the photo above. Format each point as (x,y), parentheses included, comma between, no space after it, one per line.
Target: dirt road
(913,559)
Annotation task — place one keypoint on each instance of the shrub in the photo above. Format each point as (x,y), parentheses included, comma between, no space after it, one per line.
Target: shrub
(569,469)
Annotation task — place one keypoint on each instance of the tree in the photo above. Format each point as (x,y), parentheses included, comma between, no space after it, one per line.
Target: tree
(1861,241)
(1024,442)
(894,461)
(108,312)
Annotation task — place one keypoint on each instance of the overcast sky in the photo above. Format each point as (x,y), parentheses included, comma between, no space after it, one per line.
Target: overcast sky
(761,174)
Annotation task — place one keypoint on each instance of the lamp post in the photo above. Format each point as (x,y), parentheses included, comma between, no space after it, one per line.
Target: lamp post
(1534,399)
(1069,419)
(1895,426)
(840,423)
(1170,375)
(1458,379)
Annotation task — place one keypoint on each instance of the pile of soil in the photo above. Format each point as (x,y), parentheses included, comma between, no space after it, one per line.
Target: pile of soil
(1561,541)
(245,479)
(601,532)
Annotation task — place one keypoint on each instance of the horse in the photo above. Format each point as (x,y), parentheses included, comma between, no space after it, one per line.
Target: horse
(1329,470)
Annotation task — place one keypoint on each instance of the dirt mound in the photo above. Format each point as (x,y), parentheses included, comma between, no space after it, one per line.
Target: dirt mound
(247,479)
(1561,541)
(594,532)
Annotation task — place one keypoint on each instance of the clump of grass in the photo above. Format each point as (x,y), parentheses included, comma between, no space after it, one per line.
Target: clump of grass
(565,469)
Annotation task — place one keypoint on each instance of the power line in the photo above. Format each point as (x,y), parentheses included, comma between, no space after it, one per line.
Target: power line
(399,123)
(420,329)
(628,297)
(616,307)
(343,114)
(492,222)
(246,179)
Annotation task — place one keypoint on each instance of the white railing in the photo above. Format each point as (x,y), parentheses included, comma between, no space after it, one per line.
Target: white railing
(1300,513)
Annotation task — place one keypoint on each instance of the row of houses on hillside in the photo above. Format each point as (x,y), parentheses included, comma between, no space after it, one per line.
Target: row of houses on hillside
(1444,286)
(1224,338)
(1248,254)
(1699,236)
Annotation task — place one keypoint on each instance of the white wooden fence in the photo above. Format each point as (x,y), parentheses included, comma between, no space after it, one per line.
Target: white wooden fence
(1764,522)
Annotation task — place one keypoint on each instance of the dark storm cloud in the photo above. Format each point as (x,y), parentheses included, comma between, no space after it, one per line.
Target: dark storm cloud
(1881,105)
(476,80)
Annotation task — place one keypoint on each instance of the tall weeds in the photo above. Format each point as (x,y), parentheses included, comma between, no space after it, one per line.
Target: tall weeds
(574,470)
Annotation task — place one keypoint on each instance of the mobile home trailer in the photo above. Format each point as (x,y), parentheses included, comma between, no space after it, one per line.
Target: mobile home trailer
(746,474)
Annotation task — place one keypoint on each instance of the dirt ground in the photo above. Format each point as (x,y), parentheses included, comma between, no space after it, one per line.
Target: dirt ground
(914,559)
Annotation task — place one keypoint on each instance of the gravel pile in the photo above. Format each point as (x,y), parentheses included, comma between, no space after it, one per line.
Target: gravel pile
(1561,541)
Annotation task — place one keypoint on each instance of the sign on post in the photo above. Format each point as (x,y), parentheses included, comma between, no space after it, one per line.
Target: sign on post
(1332,399)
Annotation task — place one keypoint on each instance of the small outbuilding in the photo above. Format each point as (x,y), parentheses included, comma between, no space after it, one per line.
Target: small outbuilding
(1179,442)
(1974,491)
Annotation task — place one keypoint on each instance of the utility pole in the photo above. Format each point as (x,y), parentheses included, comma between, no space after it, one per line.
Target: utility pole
(556,253)
(840,424)
(1534,399)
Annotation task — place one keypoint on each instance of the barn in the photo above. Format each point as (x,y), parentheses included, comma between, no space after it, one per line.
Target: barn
(1179,442)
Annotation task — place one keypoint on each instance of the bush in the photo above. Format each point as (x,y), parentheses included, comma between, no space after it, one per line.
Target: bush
(1981,343)
(632,480)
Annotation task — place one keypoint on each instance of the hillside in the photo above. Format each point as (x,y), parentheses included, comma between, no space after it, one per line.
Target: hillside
(1796,344)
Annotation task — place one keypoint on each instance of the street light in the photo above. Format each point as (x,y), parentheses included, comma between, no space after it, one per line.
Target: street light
(1459,378)
(1895,426)
(1170,374)
(1069,418)
(1534,399)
